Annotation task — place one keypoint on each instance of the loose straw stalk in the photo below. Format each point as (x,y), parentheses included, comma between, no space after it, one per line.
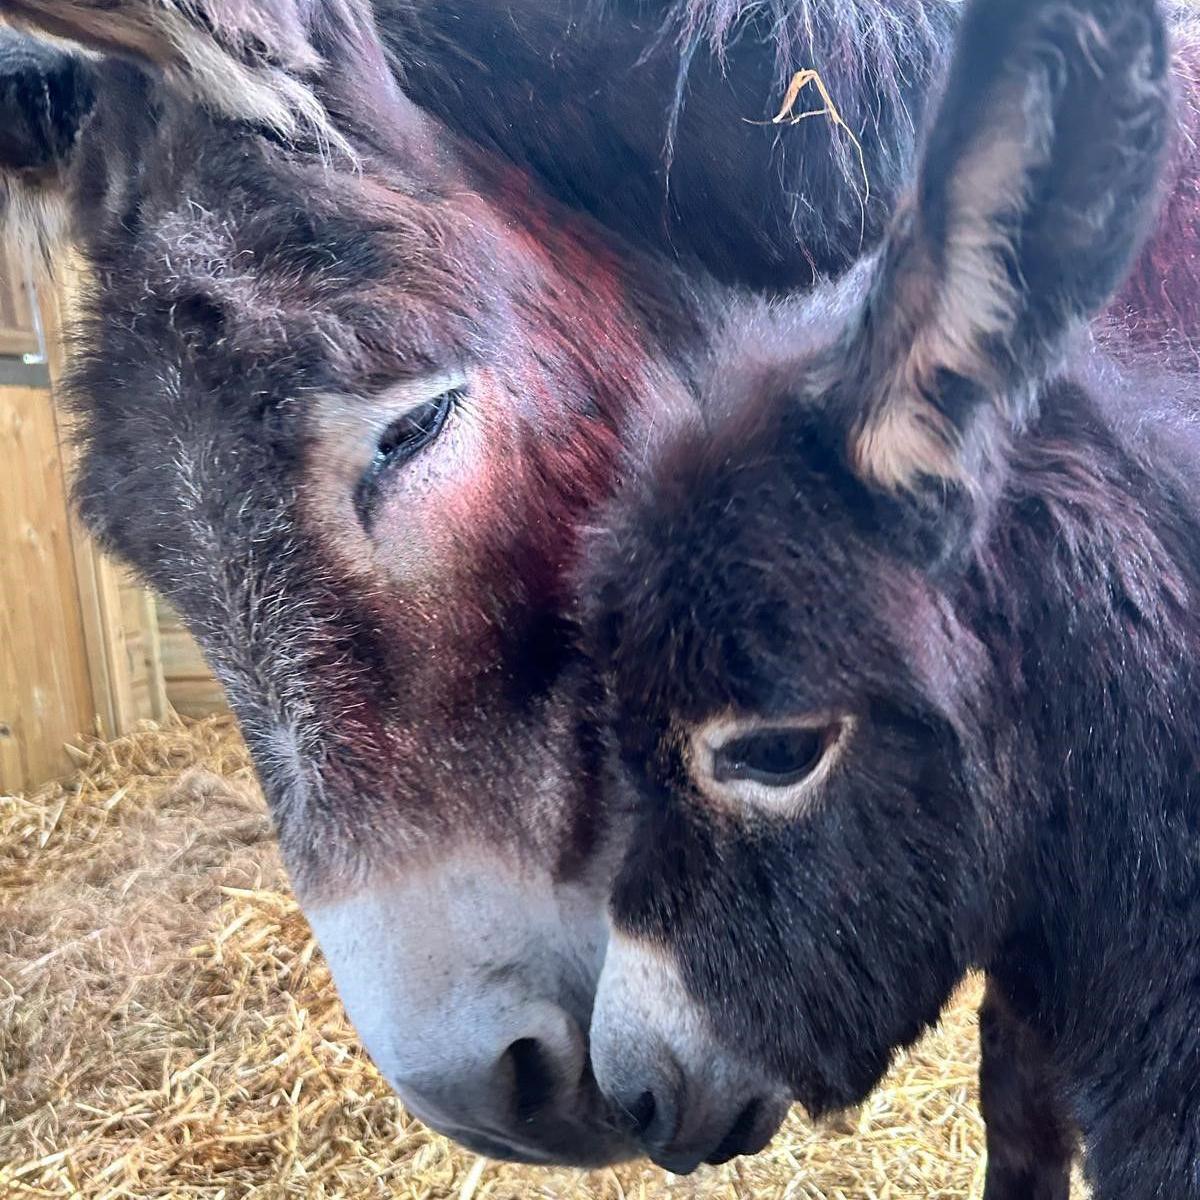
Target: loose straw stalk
(787,115)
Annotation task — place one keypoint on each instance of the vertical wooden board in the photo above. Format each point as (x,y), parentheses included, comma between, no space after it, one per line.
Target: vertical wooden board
(138,621)
(45,684)
(18,318)
(156,681)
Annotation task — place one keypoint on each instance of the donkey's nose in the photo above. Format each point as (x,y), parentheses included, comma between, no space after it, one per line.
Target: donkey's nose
(520,1090)
(512,1064)
(472,990)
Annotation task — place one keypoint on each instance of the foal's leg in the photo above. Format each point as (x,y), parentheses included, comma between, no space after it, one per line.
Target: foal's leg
(1030,1140)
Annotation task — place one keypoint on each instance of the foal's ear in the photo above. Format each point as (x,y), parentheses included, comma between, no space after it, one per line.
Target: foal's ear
(1032,197)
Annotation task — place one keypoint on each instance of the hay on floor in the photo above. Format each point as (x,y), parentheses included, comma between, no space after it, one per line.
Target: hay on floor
(168,1028)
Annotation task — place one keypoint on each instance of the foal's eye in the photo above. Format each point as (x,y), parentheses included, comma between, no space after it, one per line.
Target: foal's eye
(771,765)
(773,757)
(403,440)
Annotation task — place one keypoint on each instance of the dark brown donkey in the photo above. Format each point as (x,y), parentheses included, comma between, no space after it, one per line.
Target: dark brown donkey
(903,641)
(350,385)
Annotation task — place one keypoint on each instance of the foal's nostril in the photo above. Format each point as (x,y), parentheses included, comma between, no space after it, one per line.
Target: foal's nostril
(651,1115)
(735,1142)
(533,1078)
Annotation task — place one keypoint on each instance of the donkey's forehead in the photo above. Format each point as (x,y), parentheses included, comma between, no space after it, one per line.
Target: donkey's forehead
(286,239)
(153,165)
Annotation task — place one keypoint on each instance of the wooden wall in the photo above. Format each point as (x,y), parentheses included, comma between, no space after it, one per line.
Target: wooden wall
(45,681)
(81,643)
(190,687)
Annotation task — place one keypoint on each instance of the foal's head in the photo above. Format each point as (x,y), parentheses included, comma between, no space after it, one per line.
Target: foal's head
(346,392)
(799,718)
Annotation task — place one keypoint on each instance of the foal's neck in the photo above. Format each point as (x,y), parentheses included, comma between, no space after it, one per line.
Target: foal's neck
(1093,614)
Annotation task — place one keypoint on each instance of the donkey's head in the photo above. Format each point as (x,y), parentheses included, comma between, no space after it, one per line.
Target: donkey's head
(801,723)
(345,396)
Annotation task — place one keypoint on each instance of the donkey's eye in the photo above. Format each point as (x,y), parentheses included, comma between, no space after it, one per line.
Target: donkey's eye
(769,765)
(412,432)
(774,757)
(402,441)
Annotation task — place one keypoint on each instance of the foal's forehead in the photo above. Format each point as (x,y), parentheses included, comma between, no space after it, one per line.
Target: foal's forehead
(781,350)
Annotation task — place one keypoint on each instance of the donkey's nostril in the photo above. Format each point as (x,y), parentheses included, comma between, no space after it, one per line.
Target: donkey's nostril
(641,1113)
(533,1078)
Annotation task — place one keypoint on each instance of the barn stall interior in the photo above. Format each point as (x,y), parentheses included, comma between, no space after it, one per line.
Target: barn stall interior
(167,1026)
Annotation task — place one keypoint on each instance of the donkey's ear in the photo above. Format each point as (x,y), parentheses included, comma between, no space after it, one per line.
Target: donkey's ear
(1032,197)
(284,64)
(46,95)
(242,58)
(163,32)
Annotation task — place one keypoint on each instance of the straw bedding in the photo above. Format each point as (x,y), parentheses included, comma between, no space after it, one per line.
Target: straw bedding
(168,1028)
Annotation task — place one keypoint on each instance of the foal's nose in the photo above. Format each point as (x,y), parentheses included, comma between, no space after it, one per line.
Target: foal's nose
(506,1088)
(681,1118)
(686,1099)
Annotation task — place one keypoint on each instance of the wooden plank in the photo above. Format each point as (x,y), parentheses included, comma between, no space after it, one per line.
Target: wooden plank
(160,706)
(45,685)
(19,333)
(17,342)
(139,626)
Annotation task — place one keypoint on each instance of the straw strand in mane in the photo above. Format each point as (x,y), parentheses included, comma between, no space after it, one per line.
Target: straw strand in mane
(862,49)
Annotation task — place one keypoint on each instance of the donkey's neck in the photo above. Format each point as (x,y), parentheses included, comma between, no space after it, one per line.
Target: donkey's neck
(655,118)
